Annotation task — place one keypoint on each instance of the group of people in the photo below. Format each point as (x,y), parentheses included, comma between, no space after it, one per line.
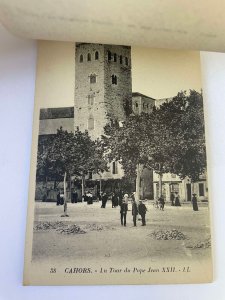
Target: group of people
(136,209)
(175,200)
(115,197)
(122,201)
(118,199)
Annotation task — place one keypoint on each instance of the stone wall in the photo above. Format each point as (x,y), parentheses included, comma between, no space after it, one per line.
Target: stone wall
(107,97)
(116,94)
(83,110)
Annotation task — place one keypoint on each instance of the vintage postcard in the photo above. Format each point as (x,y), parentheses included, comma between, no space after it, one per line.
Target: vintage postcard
(118,183)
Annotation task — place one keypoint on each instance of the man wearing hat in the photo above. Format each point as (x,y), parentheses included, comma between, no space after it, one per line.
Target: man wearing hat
(142,211)
(134,211)
(123,212)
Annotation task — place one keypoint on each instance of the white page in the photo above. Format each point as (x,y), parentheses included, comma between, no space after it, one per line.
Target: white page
(159,24)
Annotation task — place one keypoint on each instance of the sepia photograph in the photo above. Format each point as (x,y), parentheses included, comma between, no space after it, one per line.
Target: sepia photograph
(118,183)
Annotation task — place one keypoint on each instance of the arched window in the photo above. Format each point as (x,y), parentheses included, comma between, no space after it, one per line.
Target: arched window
(115,57)
(89,57)
(81,58)
(121,59)
(109,56)
(93,78)
(136,104)
(114,79)
(91,123)
(126,61)
(96,55)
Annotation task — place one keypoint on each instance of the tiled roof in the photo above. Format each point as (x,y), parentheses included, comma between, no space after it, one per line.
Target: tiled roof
(136,94)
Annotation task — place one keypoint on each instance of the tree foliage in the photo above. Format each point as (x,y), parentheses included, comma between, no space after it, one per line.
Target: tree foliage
(169,139)
(124,143)
(73,153)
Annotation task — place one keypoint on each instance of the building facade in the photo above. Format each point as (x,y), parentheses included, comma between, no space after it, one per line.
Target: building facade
(50,120)
(142,103)
(171,183)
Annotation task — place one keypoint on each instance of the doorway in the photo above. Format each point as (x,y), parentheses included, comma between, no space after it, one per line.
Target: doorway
(188,186)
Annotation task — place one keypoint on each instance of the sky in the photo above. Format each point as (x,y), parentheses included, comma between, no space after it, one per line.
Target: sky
(157,73)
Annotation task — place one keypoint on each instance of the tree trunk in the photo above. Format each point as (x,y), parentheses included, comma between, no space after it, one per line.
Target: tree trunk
(160,184)
(70,189)
(138,179)
(192,187)
(82,187)
(65,197)
(100,184)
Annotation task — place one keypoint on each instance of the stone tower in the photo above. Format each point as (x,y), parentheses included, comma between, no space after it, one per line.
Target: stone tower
(102,85)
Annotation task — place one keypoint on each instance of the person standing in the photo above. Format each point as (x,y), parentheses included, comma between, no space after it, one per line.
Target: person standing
(194,202)
(75,196)
(134,211)
(126,198)
(58,198)
(89,198)
(114,200)
(161,202)
(61,198)
(177,199)
(172,198)
(123,213)
(142,211)
(104,200)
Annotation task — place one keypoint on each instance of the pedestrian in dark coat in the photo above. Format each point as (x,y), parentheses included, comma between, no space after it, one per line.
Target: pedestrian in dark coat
(89,198)
(61,199)
(58,199)
(134,211)
(194,202)
(104,200)
(74,197)
(114,200)
(172,199)
(161,202)
(123,213)
(177,200)
(142,211)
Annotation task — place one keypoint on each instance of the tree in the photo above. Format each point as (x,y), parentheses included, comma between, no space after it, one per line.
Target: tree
(163,130)
(45,167)
(74,154)
(190,152)
(90,155)
(124,143)
(169,139)
(178,137)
